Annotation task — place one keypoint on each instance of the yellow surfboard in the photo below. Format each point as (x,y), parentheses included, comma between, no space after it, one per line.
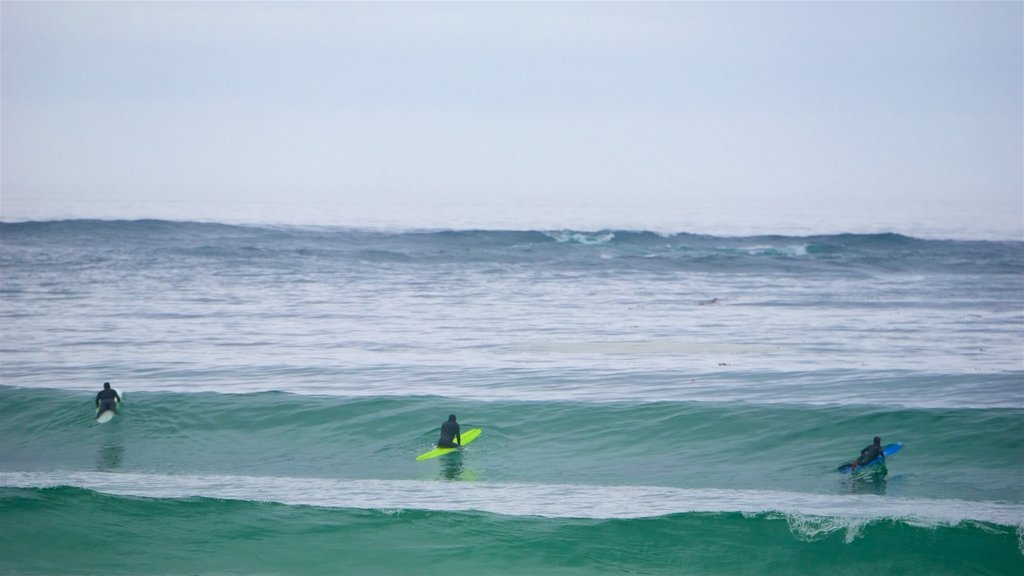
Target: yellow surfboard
(467,437)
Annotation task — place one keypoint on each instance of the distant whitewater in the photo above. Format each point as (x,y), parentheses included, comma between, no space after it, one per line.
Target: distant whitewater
(711,216)
(655,403)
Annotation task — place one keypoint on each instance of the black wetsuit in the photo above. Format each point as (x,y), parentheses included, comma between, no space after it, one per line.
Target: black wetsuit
(107,399)
(868,454)
(449,431)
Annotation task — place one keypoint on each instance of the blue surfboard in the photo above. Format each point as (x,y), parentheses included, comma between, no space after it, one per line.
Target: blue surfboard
(889,450)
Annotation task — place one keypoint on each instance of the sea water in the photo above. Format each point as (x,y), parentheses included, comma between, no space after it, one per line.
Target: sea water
(652,403)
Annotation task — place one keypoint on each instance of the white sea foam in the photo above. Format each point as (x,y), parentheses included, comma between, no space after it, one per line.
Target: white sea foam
(810,515)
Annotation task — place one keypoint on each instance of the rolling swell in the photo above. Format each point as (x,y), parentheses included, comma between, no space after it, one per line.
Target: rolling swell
(949,452)
(626,249)
(209,535)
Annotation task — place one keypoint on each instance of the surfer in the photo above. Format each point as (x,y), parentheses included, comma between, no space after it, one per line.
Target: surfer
(107,399)
(450,431)
(868,454)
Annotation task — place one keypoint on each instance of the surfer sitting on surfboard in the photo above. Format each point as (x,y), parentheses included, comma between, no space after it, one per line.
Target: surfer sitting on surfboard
(869,454)
(107,399)
(450,431)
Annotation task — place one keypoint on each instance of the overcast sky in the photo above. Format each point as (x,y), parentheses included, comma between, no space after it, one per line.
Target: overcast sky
(423,108)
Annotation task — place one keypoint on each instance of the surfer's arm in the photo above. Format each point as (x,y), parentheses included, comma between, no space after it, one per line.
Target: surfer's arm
(458,436)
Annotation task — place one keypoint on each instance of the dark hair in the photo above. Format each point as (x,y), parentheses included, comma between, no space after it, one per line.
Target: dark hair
(106,384)
(878,440)
(451,417)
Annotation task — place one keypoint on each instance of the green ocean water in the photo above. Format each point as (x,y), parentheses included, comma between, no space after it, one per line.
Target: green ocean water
(650,403)
(274,483)
(75,531)
(949,453)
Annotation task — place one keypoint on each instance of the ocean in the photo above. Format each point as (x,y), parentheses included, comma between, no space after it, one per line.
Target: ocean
(651,403)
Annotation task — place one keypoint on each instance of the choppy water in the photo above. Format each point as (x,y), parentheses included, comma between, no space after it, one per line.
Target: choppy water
(651,403)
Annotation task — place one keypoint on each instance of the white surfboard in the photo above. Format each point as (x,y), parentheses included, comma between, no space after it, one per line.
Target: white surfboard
(108,415)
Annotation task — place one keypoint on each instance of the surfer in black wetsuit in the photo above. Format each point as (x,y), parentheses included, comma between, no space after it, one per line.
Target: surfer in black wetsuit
(869,454)
(450,431)
(107,399)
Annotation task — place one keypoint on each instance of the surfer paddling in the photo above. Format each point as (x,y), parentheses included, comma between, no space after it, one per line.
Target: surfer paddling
(107,399)
(868,454)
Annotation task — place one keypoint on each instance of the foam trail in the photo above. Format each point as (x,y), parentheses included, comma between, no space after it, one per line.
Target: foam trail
(521,499)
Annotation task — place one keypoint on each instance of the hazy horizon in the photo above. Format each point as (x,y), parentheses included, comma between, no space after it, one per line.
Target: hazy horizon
(690,116)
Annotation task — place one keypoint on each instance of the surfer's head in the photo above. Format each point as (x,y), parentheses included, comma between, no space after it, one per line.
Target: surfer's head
(878,440)
(451,417)
(106,385)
